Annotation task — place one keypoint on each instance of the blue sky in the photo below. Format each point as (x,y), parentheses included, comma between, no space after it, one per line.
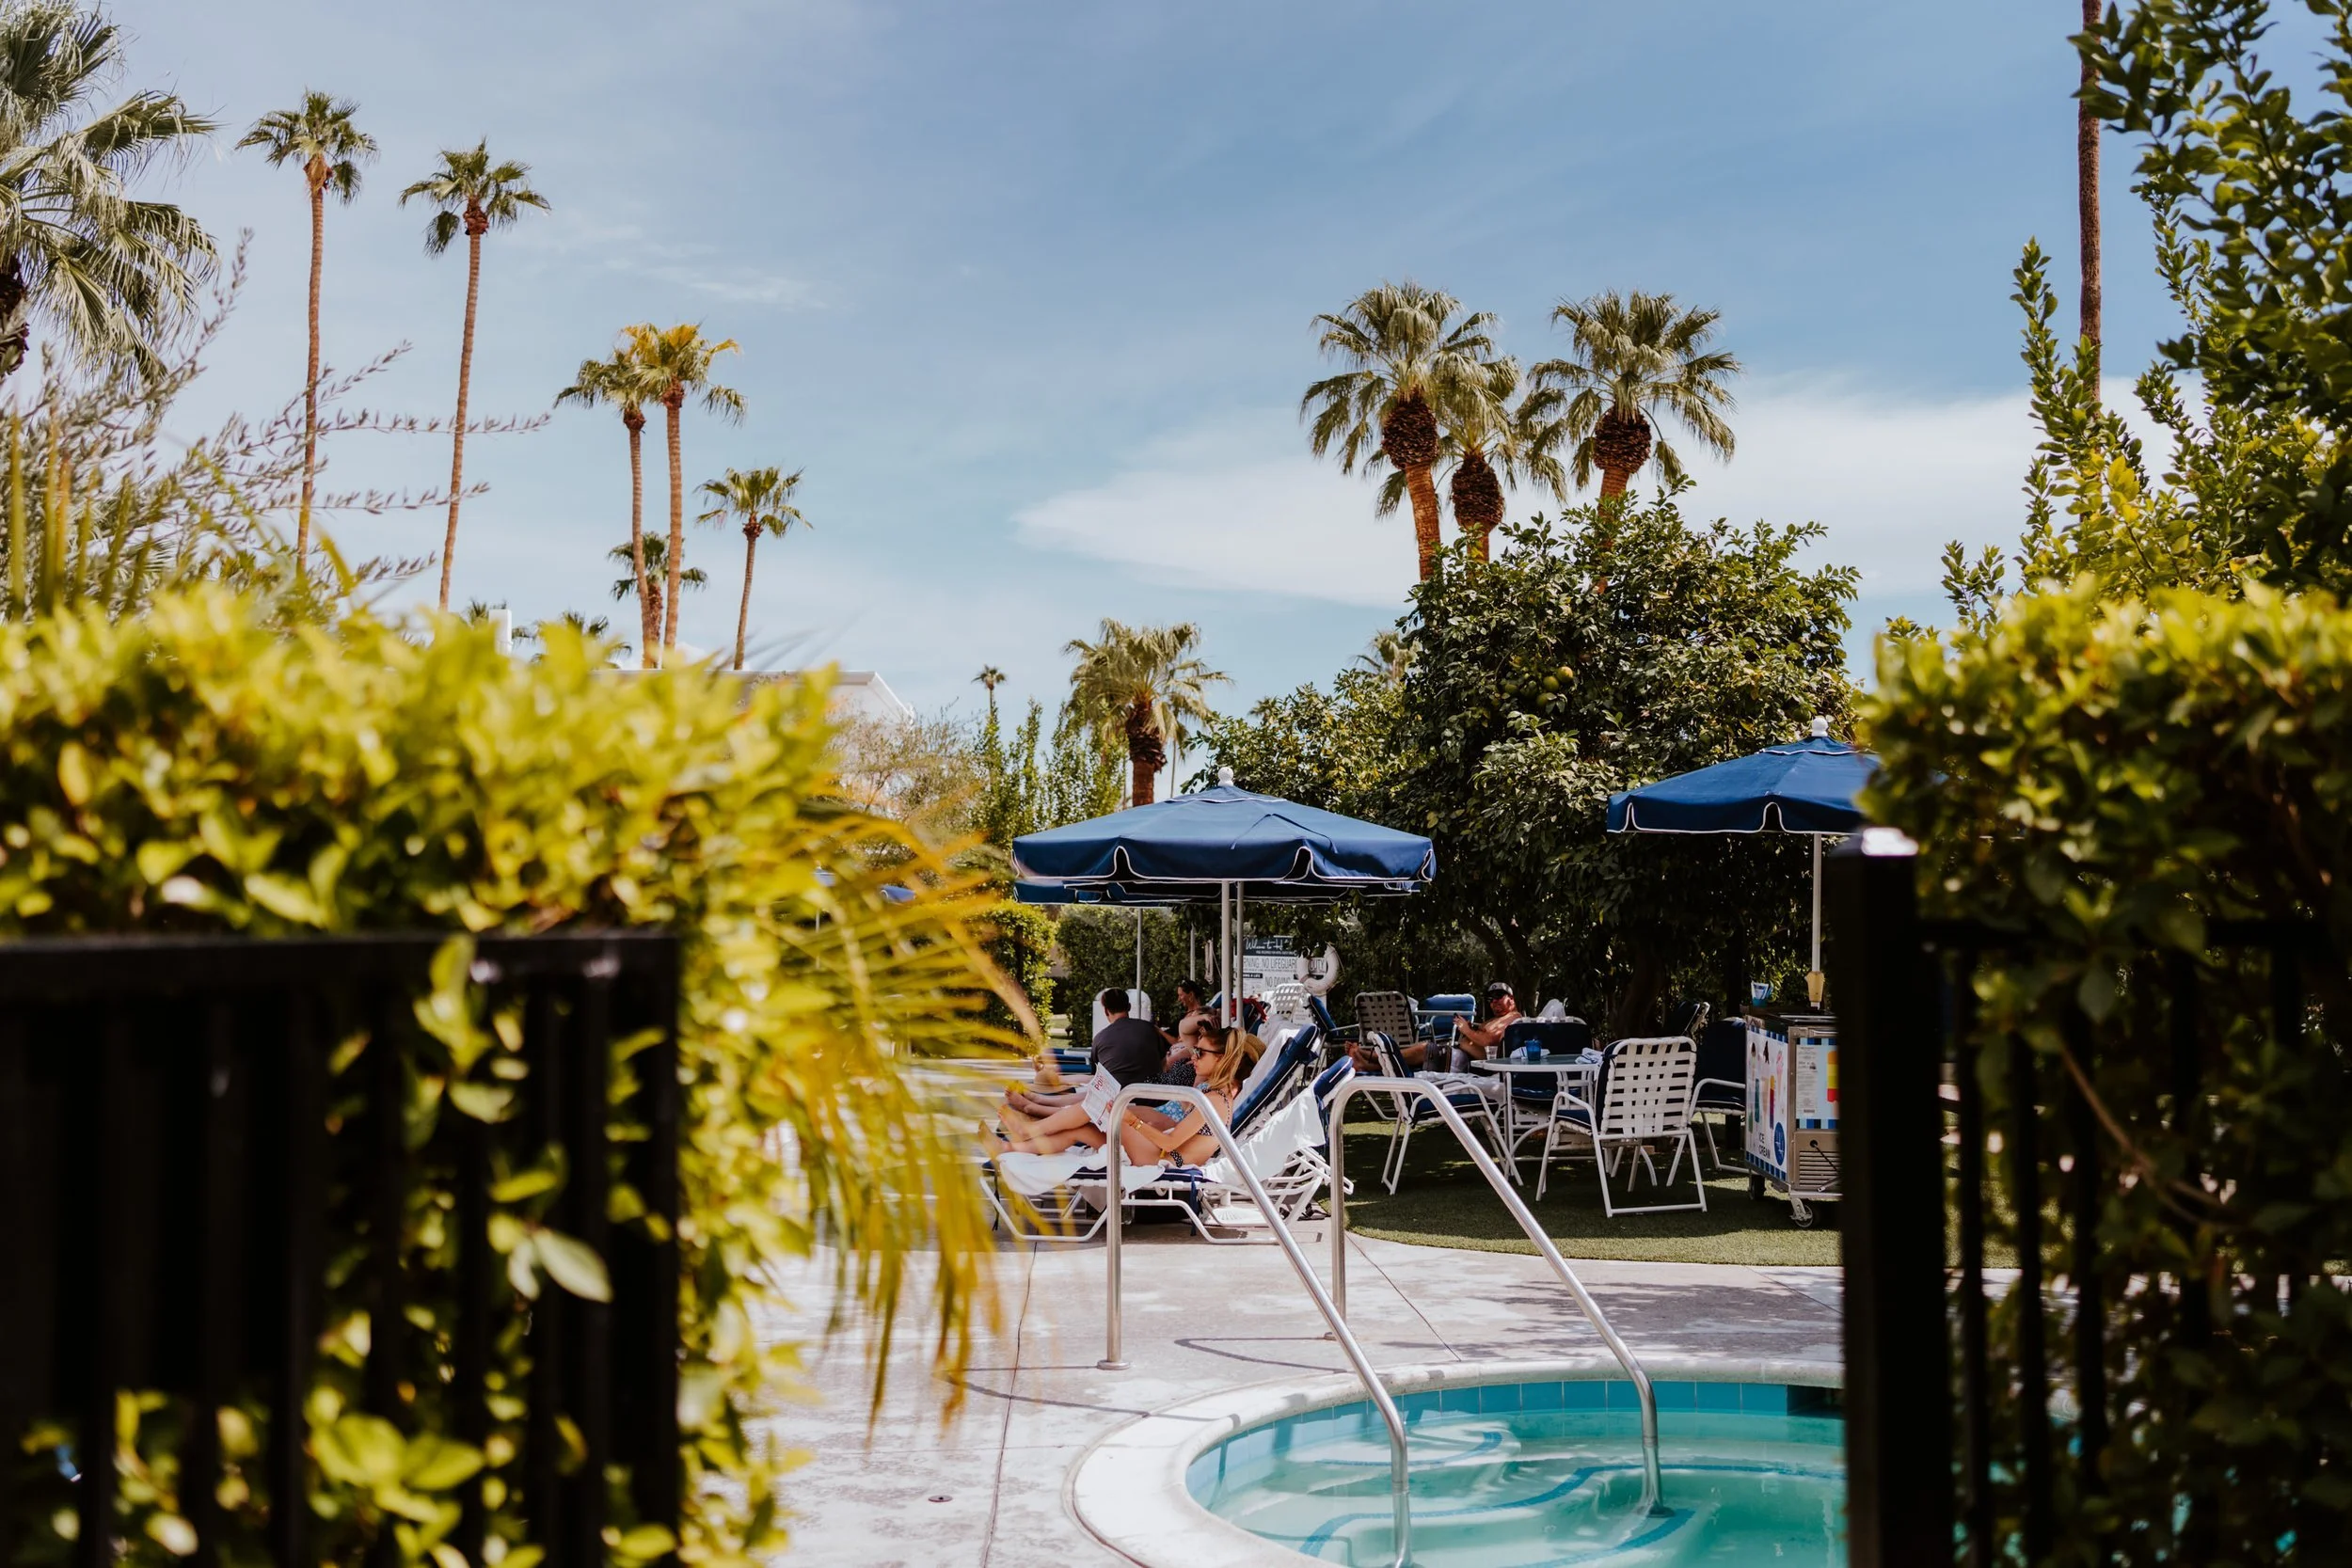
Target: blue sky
(1027,288)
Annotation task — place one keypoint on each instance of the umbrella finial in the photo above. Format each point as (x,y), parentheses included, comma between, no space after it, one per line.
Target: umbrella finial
(1820,728)
(1225,778)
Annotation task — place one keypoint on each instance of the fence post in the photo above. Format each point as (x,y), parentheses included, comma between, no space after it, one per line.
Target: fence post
(1899,1396)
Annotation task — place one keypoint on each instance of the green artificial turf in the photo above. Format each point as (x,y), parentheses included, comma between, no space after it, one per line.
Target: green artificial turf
(1443,1201)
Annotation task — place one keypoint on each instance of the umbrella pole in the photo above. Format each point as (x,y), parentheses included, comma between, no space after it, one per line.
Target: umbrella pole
(1225,945)
(1814,979)
(1139,947)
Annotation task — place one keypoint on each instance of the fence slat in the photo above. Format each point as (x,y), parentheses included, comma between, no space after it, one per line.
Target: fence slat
(2086,1190)
(2033,1371)
(1899,1391)
(1975,1382)
(301,1172)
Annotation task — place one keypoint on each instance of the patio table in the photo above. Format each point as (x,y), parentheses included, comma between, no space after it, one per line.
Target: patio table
(1510,1067)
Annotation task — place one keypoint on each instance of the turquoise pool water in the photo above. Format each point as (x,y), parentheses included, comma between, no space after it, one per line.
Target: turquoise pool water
(1542,1475)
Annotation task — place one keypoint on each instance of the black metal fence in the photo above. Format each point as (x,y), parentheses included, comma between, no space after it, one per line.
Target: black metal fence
(205,1144)
(1981,1411)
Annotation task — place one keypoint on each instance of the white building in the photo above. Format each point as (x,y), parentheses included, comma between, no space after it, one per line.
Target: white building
(864,694)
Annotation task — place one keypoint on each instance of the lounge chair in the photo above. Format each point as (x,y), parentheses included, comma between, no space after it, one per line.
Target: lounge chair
(1061,1195)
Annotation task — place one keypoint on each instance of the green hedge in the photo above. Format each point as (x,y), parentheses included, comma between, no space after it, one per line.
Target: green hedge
(2109,779)
(201,770)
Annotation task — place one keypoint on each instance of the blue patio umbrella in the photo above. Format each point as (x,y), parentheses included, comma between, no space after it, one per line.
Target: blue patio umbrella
(1806,786)
(1225,844)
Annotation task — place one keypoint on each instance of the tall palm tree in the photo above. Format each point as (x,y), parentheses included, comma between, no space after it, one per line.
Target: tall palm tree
(656,552)
(990,677)
(1632,356)
(680,359)
(322,137)
(1146,685)
(1490,441)
(470,195)
(1411,355)
(109,276)
(626,383)
(2087,201)
(759,500)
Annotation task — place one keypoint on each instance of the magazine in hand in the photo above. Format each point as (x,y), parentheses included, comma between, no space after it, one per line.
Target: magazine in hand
(1101,1089)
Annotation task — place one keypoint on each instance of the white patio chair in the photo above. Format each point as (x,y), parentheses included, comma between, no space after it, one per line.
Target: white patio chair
(1645,1099)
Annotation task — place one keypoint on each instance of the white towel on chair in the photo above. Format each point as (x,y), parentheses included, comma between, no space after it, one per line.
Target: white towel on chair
(1034,1175)
(1268,1149)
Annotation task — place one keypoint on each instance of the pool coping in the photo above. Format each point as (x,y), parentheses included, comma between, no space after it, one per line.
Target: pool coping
(1128,1489)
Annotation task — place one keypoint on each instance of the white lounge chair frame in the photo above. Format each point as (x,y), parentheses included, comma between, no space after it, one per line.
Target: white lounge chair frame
(1644,1102)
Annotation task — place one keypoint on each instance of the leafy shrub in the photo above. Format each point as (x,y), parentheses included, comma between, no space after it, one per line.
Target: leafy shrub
(2108,779)
(200,769)
(1020,941)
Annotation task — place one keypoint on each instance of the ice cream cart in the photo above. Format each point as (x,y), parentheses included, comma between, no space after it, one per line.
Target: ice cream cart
(1792,1110)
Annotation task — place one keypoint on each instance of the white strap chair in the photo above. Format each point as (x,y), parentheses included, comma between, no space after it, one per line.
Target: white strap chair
(1646,1103)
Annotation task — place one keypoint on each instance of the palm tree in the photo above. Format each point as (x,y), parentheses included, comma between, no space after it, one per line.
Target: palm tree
(109,276)
(680,360)
(990,677)
(322,137)
(474,196)
(1145,685)
(1389,655)
(760,501)
(1410,357)
(625,382)
(2087,202)
(656,551)
(1490,442)
(1632,356)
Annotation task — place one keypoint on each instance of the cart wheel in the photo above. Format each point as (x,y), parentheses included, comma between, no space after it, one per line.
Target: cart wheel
(1801,1213)
(1756,1188)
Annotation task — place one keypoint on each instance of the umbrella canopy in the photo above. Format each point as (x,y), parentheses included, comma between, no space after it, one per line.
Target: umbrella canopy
(1224,845)
(1806,786)
(1184,849)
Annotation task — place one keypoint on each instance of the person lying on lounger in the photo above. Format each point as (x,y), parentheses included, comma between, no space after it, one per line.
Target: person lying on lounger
(1176,1069)
(1147,1136)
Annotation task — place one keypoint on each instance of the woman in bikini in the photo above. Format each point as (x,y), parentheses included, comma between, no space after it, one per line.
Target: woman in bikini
(1148,1137)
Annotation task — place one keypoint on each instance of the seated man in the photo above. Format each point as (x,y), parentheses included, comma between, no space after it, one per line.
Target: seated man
(1192,1001)
(1453,1055)
(1485,1040)
(1130,1050)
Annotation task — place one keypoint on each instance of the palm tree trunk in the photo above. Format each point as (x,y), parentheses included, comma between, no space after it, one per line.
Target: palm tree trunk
(311,381)
(1146,772)
(1423,491)
(743,616)
(1614,481)
(677,563)
(635,424)
(457,435)
(2087,202)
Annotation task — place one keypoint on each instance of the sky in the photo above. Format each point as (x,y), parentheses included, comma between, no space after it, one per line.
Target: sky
(1026,288)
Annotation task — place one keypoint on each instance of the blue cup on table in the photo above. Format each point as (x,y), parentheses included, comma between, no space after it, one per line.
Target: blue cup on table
(1532,1052)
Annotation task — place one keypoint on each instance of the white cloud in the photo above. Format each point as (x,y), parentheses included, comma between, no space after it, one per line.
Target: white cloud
(1214,507)
(1891,480)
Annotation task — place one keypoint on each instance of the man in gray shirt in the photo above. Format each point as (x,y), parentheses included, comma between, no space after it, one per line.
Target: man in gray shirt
(1128,1049)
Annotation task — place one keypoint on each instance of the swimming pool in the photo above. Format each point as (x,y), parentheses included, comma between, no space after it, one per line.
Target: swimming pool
(1520,1467)
(1525,1474)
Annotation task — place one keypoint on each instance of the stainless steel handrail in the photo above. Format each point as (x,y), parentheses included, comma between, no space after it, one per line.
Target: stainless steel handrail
(1593,1313)
(1114,1360)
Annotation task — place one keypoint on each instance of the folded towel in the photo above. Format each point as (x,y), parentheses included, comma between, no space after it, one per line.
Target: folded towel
(1034,1175)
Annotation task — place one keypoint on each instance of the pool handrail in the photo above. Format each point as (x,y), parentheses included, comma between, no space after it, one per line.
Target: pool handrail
(1511,1201)
(1114,1358)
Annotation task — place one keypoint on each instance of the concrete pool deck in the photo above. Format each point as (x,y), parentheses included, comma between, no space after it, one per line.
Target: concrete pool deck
(991,1491)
